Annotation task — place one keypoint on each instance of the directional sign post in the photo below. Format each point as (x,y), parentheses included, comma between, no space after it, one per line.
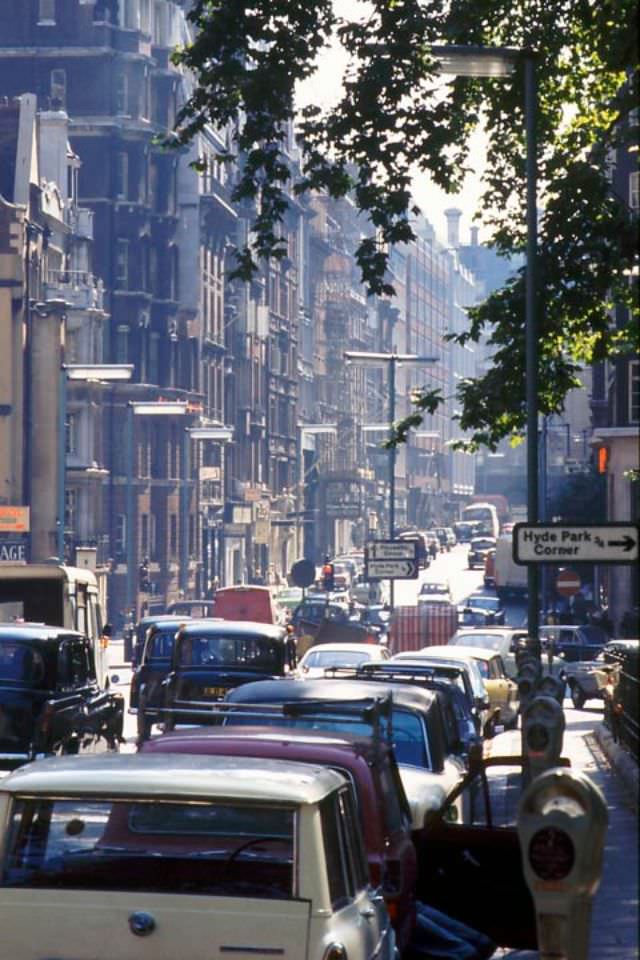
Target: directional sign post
(560,543)
(391,560)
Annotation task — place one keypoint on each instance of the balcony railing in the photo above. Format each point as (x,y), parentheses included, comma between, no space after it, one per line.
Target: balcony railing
(79,288)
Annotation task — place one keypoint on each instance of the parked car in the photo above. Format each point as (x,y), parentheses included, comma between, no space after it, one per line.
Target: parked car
(209,657)
(594,679)
(367,762)
(319,659)
(427,768)
(151,667)
(50,700)
(197,856)
(505,641)
(289,598)
(462,729)
(501,691)
(461,670)
(422,548)
(573,642)
(368,592)
(492,605)
(430,590)
(478,550)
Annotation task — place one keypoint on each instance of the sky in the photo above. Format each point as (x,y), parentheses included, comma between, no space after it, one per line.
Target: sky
(324,89)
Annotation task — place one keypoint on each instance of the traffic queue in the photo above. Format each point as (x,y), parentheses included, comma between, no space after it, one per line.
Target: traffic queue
(349,812)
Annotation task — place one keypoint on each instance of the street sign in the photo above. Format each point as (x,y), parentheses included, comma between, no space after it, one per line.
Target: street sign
(568,583)
(303,573)
(14,519)
(14,550)
(391,550)
(391,569)
(559,543)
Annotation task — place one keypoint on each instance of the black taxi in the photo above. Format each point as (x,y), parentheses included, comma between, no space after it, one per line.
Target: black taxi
(207,659)
(50,700)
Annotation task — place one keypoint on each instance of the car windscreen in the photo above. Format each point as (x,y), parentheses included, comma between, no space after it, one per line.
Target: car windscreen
(217,848)
(248,651)
(410,743)
(484,603)
(20,663)
(477,544)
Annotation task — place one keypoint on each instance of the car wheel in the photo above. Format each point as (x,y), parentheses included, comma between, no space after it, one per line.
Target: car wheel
(490,729)
(578,698)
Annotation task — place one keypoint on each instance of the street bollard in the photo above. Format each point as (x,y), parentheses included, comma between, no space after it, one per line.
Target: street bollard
(542,733)
(562,822)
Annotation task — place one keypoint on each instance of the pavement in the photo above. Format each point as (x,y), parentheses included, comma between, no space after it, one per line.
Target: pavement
(615,913)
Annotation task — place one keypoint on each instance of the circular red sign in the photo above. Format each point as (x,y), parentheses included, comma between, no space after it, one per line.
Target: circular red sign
(568,583)
(551,854)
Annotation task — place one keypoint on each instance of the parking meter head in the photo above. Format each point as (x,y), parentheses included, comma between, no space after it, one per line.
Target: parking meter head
(562,821)
(542,733)
(549,686)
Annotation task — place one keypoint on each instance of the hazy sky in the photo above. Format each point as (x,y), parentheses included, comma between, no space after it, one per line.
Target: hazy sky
(324,89)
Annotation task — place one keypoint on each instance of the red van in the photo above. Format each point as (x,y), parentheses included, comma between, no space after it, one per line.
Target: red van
(246,603)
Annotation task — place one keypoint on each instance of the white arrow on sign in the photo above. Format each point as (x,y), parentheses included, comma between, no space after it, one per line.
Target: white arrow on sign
(391,570)
(392,550)
(573,543)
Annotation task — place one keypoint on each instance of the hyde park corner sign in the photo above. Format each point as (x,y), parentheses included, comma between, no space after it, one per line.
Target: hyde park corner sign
(562,543)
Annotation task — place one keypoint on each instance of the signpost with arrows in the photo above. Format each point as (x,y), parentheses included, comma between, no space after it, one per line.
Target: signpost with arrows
(391,560)
(562,543)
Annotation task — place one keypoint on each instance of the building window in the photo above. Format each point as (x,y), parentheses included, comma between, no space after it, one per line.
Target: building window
(122,264)
(122,93)
(122,344)
(47,13)
(634,190)
(71,443)
(121,535)
(58,89)
(70,509)
(634,391)
(122,176)
(173,535)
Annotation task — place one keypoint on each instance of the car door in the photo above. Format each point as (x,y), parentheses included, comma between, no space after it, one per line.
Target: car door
(68,721)
(472,871)
(501,687)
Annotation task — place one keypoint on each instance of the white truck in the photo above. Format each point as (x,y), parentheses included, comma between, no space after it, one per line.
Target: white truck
(510,578)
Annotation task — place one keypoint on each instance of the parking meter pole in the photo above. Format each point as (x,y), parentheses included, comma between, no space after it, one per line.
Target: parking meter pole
(392,465)
(562,822)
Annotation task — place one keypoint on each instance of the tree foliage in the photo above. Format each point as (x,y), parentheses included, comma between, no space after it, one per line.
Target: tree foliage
(393,120)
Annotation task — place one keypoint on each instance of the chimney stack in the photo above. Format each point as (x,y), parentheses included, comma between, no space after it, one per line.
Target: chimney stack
(474,236)
(453,226)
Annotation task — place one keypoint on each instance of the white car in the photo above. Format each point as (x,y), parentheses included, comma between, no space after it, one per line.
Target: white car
(169,855)
(431,592)
(505,642)
(317,660)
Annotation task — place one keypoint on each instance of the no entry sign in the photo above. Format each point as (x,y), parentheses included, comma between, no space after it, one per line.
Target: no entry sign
(568,583)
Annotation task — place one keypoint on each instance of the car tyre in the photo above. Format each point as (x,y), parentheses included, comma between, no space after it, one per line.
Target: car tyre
(490,729)
(578,697)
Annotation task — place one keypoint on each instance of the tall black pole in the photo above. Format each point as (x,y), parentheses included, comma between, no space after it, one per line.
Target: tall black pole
(531,331)
(392,462)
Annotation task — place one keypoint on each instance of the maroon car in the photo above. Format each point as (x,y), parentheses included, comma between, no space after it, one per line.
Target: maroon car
(370,766)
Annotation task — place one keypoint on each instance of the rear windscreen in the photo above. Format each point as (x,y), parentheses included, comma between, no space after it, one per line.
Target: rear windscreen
(245,651)
(216,848)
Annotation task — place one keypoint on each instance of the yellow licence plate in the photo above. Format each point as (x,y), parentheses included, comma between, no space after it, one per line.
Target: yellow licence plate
(214,691)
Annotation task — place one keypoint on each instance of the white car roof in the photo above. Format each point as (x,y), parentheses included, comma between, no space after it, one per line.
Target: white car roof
(341,647)
(156,776)
(477,653)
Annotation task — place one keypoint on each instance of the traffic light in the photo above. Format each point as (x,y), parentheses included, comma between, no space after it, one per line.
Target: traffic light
(144,576)
(602,459)
(327,577)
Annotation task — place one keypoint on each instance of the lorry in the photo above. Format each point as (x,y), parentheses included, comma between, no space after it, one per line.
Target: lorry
(510,579)
(59,596)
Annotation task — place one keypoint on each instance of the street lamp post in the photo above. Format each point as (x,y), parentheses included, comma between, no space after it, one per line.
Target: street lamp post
(219,433)
(476,61)
(84,373)
(165,408)
(392,360)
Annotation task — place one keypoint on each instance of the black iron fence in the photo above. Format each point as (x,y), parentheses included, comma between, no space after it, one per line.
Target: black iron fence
(622,706)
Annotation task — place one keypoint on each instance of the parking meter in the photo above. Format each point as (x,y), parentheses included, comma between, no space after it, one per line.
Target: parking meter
(542,732)
(549,686)
(562,821)
(527,680)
